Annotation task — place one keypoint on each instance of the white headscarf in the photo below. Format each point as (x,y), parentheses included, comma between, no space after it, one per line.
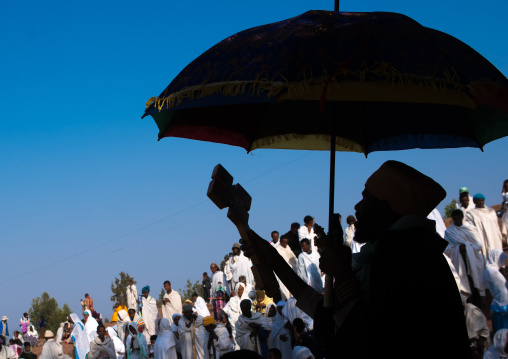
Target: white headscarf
(79,337)
(91,326)
(165,341)
(32,332)
(496,351)
(302,353)
(270,320)
(291,311)
(119,346)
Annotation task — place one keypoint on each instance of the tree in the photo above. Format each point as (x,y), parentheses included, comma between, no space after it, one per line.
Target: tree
(190,289)
(47,307)
(161,297)
(118,288)
(449,208)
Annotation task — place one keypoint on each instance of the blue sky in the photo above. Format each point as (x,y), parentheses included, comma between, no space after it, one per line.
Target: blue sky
(86,189)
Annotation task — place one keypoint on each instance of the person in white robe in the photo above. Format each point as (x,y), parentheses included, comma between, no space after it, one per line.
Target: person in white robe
(227,272)
(200,306)
(51,349)
(90,325)
(217,342)
(290,312)
(464,291)
(6,352)
(171,302)
(59,333)
(504,209)
(122,323)
(174,330)
(249,290)
(192,334)
(150,313)
(280,334)
(165,345)
(248,326)
(217,279)
(132,295)
(307,231)
(498,348)
(290,258)
(465,202)
(102,346)
(79,337)
(459,234)
(486,222)
(118,344)
(349,234)
(136,345)
(497,285)
(478,330)
(440,225)
(240,265)
(232,308)
(308,266)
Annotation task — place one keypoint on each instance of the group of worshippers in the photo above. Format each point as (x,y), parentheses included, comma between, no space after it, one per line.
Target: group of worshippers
(476,257)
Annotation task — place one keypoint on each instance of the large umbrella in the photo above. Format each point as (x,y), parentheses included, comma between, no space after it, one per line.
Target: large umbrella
(329,80)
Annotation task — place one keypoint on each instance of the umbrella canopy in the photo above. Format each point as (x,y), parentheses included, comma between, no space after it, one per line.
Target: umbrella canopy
(380,80)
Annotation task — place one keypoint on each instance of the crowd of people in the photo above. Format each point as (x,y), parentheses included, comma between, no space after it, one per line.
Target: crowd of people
(372,277)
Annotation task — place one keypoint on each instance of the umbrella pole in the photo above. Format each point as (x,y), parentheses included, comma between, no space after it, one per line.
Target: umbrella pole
(328,295)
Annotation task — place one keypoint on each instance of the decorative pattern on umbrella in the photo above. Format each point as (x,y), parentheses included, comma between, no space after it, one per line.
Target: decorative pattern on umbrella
(385,81)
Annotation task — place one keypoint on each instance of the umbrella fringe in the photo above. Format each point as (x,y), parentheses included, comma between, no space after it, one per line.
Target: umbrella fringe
(272,89)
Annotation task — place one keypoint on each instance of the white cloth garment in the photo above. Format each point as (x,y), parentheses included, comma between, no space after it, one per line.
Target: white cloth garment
(52,350)
(493,279)
(497,351)
(173,306)
(485,221)
(468,236)
(291,311)
(32,332)
(123,322)
(476,323)
(7,353)
(302,353)
(174,330)
(470,206)
(464,291)
(117,343)
(233,311)
(132,297)
(218,277)
(240,265)
(303,232)
(349,234)
(79,337)
(192,337)
(243,331)
(91,326)
(308,270)
(222,345)
(440,226)
(99,348)
(150,314)
(504,219)
(59,333)
(165,345)
(279,332)
(201,308)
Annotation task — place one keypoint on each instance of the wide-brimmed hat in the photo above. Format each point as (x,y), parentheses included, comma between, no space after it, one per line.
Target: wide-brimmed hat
(5,318)
(48,334)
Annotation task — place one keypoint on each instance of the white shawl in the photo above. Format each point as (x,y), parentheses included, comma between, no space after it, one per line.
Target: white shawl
(243,331)
(240,265)
(496,351)
(172,307)
(79,337)
(493,279)
(150,314)
(52,350)
(118,344)
(467,235)
(308,270)
(485,221)
(291,311)
(98,346)
(91,326)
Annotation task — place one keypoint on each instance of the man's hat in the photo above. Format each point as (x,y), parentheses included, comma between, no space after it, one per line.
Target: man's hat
(463,189)
(5,318)
(406,190)
(236,245)
(48,334)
